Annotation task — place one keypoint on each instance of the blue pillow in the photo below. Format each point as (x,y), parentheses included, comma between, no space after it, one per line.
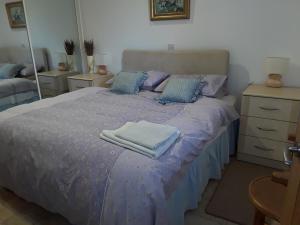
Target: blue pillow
(182,90)
(128,83)
(8,71)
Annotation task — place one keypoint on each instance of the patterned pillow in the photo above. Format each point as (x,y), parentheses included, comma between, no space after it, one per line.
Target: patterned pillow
(162,85)
(128,83)
(216,84)
(182,90)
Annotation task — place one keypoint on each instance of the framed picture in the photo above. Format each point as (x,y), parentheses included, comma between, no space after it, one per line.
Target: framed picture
(16,15)
(169,9)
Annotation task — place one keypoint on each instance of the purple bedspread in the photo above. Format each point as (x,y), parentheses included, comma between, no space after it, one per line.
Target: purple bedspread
(52,155)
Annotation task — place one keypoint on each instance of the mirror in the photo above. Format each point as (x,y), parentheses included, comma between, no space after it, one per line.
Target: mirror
(52,26)
(17,77)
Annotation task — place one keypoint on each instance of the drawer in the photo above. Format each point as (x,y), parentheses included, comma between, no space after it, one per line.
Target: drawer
(261,147)
(271,108)
(47,82)
(264,128)
(46,93)
(78,84)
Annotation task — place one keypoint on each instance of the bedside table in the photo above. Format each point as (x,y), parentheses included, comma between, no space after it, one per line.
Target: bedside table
(269,118)
(88,80)
(54,82)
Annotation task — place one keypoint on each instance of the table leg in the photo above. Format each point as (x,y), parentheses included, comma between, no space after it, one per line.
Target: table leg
(259,218)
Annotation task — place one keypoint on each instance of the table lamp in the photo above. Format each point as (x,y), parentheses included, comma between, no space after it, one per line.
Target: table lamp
(61,58)
(103,60)
(275,68)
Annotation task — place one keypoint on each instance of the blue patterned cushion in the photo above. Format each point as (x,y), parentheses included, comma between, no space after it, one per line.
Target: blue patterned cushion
(182,90)
(128,83)
(8,71)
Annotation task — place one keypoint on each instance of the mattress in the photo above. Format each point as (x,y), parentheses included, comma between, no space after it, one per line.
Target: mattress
(51,154)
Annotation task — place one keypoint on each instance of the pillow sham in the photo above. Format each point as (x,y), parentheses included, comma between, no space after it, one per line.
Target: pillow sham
(214,88)
(128,83)
(8,71)
(161,87)
(215,85)
(154,78)
(182,90)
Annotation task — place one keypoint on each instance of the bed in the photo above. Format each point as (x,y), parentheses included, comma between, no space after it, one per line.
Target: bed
(51,153)
(17,91)
(20,90)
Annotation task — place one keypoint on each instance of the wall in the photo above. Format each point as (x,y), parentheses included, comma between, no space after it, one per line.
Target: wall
(8,36)
(250,29)
(50,23)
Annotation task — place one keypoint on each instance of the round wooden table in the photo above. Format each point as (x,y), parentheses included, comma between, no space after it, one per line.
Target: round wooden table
(267,197)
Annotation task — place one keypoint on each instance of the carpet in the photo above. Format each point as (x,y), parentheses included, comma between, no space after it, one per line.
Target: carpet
(230,200)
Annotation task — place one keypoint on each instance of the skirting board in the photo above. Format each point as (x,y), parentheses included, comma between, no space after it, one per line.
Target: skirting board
(261,161)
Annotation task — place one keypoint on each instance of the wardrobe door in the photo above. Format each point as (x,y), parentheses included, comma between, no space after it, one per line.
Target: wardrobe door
(17,76)
(54,30)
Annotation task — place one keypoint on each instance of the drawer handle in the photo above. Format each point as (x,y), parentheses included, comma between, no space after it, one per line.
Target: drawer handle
(266,129)
(264,149)
(268,109)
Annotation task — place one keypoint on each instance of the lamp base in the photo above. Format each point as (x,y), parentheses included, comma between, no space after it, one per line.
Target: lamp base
(102,70)
(274,81)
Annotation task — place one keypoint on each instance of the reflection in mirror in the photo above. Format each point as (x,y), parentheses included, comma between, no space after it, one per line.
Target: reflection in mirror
(53,27)
(17,76)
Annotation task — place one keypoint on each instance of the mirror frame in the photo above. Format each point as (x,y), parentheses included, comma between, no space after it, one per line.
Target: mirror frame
(31,49)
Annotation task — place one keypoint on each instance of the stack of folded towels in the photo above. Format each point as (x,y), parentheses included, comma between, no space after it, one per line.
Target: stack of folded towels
(144,137)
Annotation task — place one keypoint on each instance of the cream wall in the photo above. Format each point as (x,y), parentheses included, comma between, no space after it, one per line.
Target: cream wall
(8,36)
(250,29)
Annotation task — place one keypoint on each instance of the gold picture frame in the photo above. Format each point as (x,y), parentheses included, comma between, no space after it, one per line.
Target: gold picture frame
(169,9)
(16,15)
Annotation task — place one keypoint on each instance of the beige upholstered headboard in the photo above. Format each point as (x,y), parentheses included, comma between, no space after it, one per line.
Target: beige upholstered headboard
(177,62)
(22,55)
(41,58)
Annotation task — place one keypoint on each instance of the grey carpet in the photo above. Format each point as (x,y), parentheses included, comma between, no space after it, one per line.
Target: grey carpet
(230,201)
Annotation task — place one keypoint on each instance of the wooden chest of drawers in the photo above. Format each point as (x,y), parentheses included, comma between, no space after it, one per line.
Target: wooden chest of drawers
(88,80)
(269,119)
(53,83)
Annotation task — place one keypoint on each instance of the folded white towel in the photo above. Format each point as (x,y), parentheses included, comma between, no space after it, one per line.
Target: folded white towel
(146,134)
(158,138)
(110,137)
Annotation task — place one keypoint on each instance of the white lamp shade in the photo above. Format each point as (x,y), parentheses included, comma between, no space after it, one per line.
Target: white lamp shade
(103,59)
(60,56)
(276,65)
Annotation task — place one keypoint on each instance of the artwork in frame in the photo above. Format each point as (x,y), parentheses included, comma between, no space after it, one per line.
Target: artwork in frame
(16,14)
(169,9)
